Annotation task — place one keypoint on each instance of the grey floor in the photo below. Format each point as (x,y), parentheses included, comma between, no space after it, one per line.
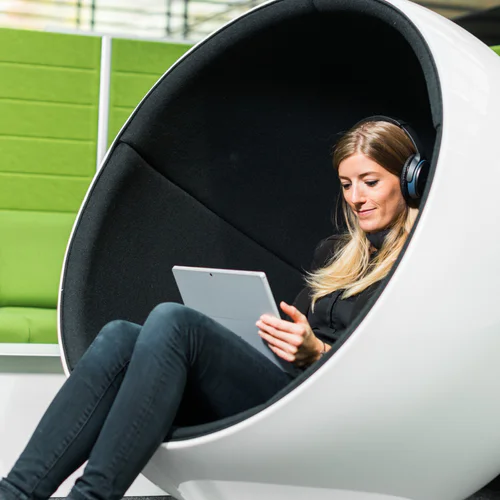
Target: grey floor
(486,494)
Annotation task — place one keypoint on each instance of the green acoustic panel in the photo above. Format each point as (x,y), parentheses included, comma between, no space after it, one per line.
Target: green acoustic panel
(48,120)
(138,56)
(41,192)
(136,66)
(47,156)
(127,88)
(49,97)
(49,84)
(28,325)
(50,49)
(117,117)
(497,49)
(31,257)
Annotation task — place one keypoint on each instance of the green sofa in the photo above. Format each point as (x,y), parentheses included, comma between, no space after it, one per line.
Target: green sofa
(31,255)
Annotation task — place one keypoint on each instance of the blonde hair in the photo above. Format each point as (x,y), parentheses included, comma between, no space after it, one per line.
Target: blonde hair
(350,268)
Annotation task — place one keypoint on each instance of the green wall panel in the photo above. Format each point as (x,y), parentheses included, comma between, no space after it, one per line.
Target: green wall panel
(42,192)
(145,57)
(51,49)
(49,95)
(73,86)
(117,117)
(136,67)
(47,156)
(497,49)
(130,88)
(49,120)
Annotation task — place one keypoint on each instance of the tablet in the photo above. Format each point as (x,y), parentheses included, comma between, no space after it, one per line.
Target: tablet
(235,299)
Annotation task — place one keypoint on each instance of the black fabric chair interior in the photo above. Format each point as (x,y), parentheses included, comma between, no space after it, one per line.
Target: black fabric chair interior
(227,162)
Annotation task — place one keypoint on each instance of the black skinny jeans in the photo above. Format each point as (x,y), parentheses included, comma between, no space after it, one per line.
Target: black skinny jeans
(122,399)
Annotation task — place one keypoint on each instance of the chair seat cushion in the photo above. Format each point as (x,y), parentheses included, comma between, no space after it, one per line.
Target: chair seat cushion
(28,324)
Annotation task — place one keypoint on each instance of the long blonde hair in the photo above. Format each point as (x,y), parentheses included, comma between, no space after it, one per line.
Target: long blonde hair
(350,268)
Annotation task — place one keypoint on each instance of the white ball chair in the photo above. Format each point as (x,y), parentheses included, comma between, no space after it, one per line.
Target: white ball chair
(225,163)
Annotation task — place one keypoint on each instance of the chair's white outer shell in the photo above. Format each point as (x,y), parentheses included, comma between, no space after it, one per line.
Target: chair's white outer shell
(409,407)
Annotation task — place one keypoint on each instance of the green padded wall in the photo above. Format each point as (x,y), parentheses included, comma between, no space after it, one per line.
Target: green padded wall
(49,94)
(497,49)
(135,68)
(49,90)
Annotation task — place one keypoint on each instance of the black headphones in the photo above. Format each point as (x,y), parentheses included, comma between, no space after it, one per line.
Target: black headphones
(416,168)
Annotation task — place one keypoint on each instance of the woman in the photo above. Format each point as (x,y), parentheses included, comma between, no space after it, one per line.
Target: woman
(370,160)
(179,368)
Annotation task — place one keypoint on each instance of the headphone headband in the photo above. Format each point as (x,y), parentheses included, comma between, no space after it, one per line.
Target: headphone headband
(399,123)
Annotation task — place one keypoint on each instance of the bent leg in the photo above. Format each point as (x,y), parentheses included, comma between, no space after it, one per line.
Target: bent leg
(69,428)
(176,345)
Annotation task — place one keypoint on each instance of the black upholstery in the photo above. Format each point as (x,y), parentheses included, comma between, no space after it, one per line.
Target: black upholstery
(227,162)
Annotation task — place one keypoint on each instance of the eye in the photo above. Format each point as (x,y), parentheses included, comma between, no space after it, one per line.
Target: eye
(371,183)
(346,186)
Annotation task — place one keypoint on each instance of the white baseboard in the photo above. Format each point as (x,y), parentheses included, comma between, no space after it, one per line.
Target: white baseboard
(44,350)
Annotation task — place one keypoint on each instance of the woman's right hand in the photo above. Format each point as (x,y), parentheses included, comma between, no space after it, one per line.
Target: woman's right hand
(293,341)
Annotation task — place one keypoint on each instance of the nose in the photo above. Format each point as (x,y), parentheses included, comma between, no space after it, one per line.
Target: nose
(357,194)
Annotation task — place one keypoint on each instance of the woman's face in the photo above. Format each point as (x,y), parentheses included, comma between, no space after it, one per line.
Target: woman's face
(372,192)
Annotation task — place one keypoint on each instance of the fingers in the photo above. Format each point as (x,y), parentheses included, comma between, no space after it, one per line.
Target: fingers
(285,348)
(280,324)
(290,340)
(293,312)
(282,354)
(283,330)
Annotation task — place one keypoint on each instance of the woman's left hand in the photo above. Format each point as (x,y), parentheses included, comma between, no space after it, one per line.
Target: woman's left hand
(294,340)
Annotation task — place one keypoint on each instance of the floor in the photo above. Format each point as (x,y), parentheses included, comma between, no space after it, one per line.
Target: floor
(486,494)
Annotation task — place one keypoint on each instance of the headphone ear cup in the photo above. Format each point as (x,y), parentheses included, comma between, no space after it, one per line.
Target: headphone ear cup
(422,174)
(413,178)
(405,175)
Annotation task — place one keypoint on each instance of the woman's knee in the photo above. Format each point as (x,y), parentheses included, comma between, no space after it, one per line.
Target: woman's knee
(172,314)
(118,335)
(168,322)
